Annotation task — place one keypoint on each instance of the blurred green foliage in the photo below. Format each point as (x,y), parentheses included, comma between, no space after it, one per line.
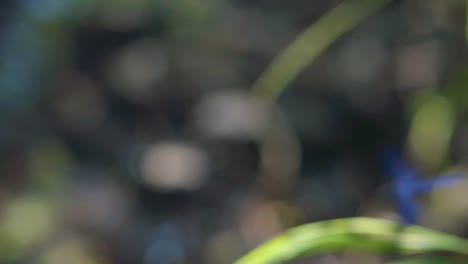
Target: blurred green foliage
(432,126)
(94,93)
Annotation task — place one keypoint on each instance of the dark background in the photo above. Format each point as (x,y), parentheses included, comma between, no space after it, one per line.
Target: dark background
(128,135)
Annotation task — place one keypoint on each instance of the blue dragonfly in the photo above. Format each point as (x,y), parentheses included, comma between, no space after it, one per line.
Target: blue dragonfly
(406,184)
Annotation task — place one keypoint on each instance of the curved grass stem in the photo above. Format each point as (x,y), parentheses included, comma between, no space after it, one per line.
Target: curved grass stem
(311,43)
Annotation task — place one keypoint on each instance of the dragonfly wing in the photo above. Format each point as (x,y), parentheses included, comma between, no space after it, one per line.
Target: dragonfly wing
(438,182)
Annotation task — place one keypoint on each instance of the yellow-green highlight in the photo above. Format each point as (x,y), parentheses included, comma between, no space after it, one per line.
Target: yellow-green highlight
(431,129)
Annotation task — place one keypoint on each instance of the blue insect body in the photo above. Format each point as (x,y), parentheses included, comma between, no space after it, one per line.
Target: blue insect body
(406,184)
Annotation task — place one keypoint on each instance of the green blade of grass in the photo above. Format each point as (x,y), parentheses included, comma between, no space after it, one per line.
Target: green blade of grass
(361,233)
(311,43)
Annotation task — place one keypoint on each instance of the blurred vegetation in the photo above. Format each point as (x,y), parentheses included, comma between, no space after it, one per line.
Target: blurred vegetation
(129,134)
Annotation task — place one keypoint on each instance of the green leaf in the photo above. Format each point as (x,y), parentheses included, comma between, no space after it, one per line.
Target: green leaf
(361,233)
